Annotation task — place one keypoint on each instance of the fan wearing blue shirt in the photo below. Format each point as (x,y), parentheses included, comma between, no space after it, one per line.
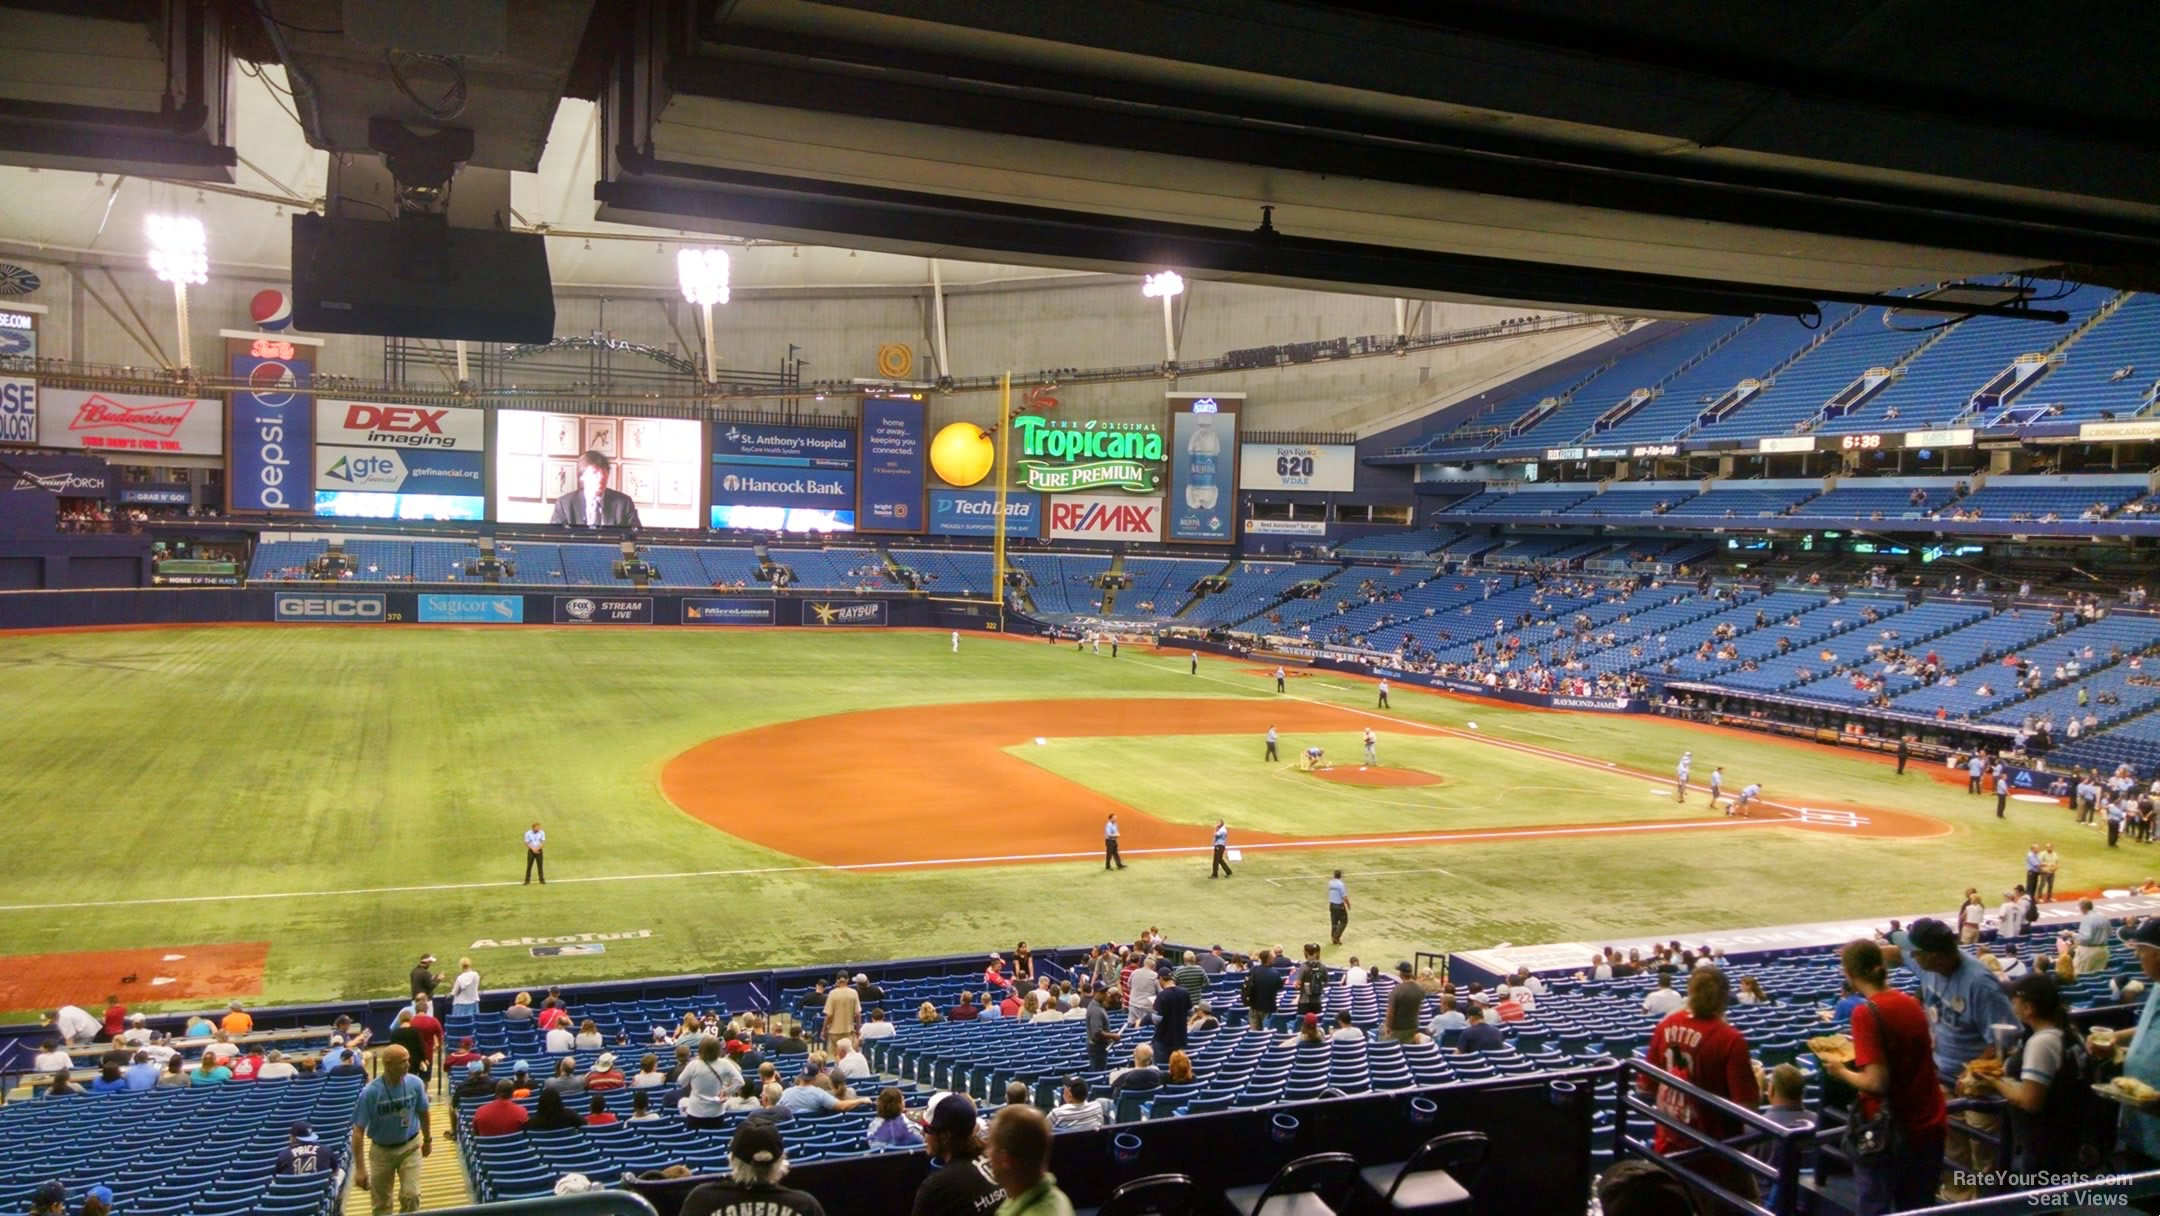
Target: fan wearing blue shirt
(1963,999)
(390,1134)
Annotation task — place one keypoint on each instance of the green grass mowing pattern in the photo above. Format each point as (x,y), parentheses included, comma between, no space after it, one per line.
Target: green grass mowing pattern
(230,762)
(1197,779)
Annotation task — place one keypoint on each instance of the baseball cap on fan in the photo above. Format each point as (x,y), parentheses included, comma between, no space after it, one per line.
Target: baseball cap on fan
(757,1141)
(951,1114)
(2147,934)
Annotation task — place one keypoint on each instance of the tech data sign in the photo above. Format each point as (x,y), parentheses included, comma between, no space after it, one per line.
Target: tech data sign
(1059,455)
(1105,517)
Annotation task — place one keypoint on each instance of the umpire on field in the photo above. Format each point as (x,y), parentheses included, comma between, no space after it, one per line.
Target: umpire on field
(1338,907)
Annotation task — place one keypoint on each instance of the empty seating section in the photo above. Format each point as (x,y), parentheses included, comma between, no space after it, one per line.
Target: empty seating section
(834,568)
(1866,502)
(1444,594)
(1985,640)
(1536,501)
(1467,548)
(591,565)
(1551,549)
(1895,626)
(165,1152)
(1641,368)
(1801,390)
(1064,583)
(730,567)
(1415,543)
(382,561)
(952,571)
(2113,366)
(1253,587)
(441,561)
(1753,351)
(1483,425)
(1160,586)
(1741,502)
(284,559)
(534,564)
(2007,498)
(1629,503)
(1934,387)
(1963,699)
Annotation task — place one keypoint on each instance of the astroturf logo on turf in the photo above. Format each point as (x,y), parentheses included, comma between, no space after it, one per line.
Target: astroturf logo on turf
(490,943)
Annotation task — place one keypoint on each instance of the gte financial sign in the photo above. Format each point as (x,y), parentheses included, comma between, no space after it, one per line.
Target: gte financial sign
(1064,455)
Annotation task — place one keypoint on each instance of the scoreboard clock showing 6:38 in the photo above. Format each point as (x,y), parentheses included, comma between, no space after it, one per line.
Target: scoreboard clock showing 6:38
(1860,443)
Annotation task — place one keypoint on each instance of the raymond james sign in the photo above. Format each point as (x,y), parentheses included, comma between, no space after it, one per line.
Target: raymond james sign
(1091,455)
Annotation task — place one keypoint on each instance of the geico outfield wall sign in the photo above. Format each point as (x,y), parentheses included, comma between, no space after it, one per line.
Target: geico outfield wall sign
(1061,455)
(336,609)
(572,939)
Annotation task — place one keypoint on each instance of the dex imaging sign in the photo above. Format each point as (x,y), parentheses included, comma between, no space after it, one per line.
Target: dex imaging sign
(333,609)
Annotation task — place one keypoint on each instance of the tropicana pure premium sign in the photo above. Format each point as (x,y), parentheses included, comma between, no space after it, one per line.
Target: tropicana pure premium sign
(1062,456)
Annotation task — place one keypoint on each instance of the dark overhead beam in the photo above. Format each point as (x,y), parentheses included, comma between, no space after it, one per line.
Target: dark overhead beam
(1171,122)
(1073,238)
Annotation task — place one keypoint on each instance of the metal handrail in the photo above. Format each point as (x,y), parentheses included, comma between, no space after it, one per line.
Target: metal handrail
(588,1203)
(1786,1174)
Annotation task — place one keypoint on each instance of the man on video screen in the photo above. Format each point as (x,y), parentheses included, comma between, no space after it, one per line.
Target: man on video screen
(592,504)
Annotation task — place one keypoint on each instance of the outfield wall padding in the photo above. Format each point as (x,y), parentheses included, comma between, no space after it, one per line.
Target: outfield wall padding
(374,605)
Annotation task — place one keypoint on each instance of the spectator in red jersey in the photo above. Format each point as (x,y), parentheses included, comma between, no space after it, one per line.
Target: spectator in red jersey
(1699,1046)
(552,1016)
(116,1016)
(455,1063)
(994,974)
(502,1117)
(430,1029)
(1893,1061)
(247,1065)
(597,1114)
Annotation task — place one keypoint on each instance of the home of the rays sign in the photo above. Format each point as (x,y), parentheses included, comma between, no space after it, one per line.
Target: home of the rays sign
(1057,456)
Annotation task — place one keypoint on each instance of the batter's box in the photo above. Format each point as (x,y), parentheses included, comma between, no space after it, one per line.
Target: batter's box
(1832,819)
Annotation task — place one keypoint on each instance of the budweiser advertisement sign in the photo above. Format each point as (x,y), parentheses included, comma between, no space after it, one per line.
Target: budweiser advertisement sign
(122,423)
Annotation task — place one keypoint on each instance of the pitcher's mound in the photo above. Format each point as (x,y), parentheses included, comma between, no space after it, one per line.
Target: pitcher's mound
(1351,774)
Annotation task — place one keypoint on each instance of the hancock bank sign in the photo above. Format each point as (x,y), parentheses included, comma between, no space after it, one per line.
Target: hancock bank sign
(1062,456)
(569,940)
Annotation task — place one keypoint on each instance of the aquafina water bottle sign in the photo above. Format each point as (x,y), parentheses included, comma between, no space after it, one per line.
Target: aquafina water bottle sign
(1202,449)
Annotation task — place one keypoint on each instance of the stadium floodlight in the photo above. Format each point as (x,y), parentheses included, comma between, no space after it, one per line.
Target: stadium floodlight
(180,255)
(1167,285)
(704,275)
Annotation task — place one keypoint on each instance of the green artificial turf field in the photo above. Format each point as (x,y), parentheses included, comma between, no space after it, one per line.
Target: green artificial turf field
(354,797)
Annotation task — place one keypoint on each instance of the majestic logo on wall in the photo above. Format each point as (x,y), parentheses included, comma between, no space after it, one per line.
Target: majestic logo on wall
(103,413)
(1090,455)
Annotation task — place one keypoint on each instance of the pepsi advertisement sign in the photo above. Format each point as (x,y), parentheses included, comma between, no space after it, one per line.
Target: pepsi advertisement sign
(974,513)
(894,457)
(272,436)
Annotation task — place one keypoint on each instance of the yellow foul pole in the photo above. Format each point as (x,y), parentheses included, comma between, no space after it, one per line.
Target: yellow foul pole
(1004,428)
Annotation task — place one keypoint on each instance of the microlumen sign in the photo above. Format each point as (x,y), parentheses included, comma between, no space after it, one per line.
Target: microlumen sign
(1058,457)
